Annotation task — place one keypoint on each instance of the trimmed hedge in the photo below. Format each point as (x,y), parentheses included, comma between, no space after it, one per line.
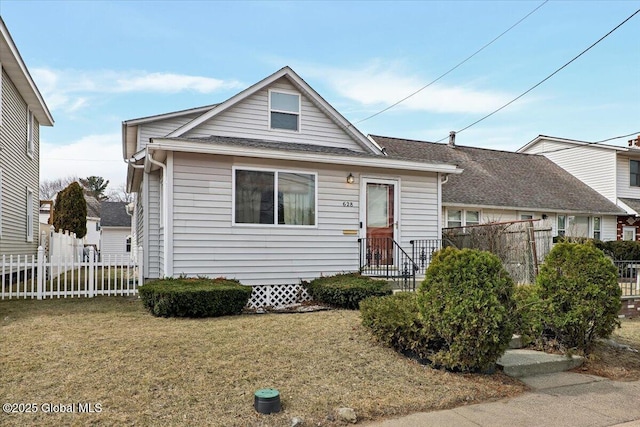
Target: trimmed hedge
(194,297)
(396,322)
(620,250)
(580,295)
(346,290)
(467,298)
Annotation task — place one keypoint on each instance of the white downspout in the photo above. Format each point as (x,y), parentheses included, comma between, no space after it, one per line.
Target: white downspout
(165,216)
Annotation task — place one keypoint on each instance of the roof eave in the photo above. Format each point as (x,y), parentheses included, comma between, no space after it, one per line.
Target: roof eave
(164,144)
(19,74)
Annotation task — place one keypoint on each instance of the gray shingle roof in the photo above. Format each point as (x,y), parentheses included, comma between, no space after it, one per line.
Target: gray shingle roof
(503,178)
(93,206)
(632,203)
(114,214)
(276,145)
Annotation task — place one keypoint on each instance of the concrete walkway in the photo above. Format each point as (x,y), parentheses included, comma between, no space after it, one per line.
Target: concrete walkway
(558,399)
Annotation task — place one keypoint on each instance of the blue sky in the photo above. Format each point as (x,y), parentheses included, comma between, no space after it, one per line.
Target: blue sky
(99,63)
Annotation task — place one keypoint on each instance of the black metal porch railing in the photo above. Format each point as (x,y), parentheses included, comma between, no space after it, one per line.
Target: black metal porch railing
(628,277)
(422,251)
(382,257)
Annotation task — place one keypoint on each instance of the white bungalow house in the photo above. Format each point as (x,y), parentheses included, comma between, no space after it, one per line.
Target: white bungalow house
(272,186)
(500,186)
(612,171)
(22,112)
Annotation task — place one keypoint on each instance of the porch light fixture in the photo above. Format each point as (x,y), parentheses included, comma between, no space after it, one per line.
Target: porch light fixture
(350,178)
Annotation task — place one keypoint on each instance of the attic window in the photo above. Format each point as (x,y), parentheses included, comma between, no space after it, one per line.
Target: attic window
(284,110)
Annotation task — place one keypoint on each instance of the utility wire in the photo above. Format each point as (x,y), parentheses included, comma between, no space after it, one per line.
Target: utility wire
(452,69)
(589,143)
(546,78)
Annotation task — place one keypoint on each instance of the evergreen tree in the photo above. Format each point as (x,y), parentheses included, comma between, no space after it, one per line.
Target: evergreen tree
(95,186)
(70,210)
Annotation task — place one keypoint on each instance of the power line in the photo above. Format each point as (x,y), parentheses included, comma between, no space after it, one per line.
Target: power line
(546,78)
(452,69)
(589,143)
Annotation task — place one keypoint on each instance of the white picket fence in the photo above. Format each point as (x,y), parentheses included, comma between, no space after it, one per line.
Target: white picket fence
(31,276)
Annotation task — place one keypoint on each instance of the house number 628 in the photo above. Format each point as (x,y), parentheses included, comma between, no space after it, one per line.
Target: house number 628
(347,204)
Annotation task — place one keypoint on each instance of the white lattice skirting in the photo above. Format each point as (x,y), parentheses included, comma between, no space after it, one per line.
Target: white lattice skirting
(277,295)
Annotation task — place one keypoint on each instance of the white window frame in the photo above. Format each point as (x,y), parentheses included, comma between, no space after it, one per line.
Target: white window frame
(29,214)
(275,192)
(637,161)
(593,227)
(562,230)
(629,228)
(527,214)
(298,113)
(30,133)
(463,217)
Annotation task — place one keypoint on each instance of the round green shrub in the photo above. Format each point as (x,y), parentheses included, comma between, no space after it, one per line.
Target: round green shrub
(396,322)
(580,295)
(467,298)
(194,297)
(346,290)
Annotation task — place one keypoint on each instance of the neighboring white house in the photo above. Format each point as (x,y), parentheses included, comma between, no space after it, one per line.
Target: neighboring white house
(22,112)
(612,171)
(272,186)
(115,231)
(499,186)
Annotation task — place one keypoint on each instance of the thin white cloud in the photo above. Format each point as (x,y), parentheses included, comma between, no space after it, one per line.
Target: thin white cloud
(99,155)
(71,90)
(380,85)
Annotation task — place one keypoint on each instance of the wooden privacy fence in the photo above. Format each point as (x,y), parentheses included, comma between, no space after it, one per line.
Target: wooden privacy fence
(31,276)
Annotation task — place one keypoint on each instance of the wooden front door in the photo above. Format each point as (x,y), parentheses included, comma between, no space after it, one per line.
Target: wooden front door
(380,220)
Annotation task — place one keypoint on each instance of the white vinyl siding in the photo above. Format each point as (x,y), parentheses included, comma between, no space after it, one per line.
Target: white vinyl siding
(206,243)
(623,173)
(161,128)
(250,119)
(18,172)
(114,243)
(592,165)
(155,250)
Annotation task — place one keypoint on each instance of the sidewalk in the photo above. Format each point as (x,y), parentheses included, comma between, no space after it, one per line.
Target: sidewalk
(559,399)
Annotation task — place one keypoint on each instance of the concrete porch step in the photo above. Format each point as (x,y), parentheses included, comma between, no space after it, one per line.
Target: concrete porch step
(526,363)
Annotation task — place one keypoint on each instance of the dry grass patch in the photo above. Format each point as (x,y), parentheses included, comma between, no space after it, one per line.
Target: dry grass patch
(617,363)
(155,371)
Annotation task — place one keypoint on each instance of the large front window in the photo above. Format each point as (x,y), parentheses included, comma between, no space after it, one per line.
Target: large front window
(275,198)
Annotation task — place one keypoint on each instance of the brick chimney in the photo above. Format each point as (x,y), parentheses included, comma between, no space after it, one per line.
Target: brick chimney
(635,142)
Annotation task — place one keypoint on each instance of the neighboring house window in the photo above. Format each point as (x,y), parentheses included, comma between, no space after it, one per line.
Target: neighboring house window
(472,217)
(454,218)
(596,227)
(634,173)
(128,247)
(97,225)
(526,216)
(284,110)
(578,226)
(29,215)
(274,198)
(460,218)
(562,225)
(30,133)
(628,233)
